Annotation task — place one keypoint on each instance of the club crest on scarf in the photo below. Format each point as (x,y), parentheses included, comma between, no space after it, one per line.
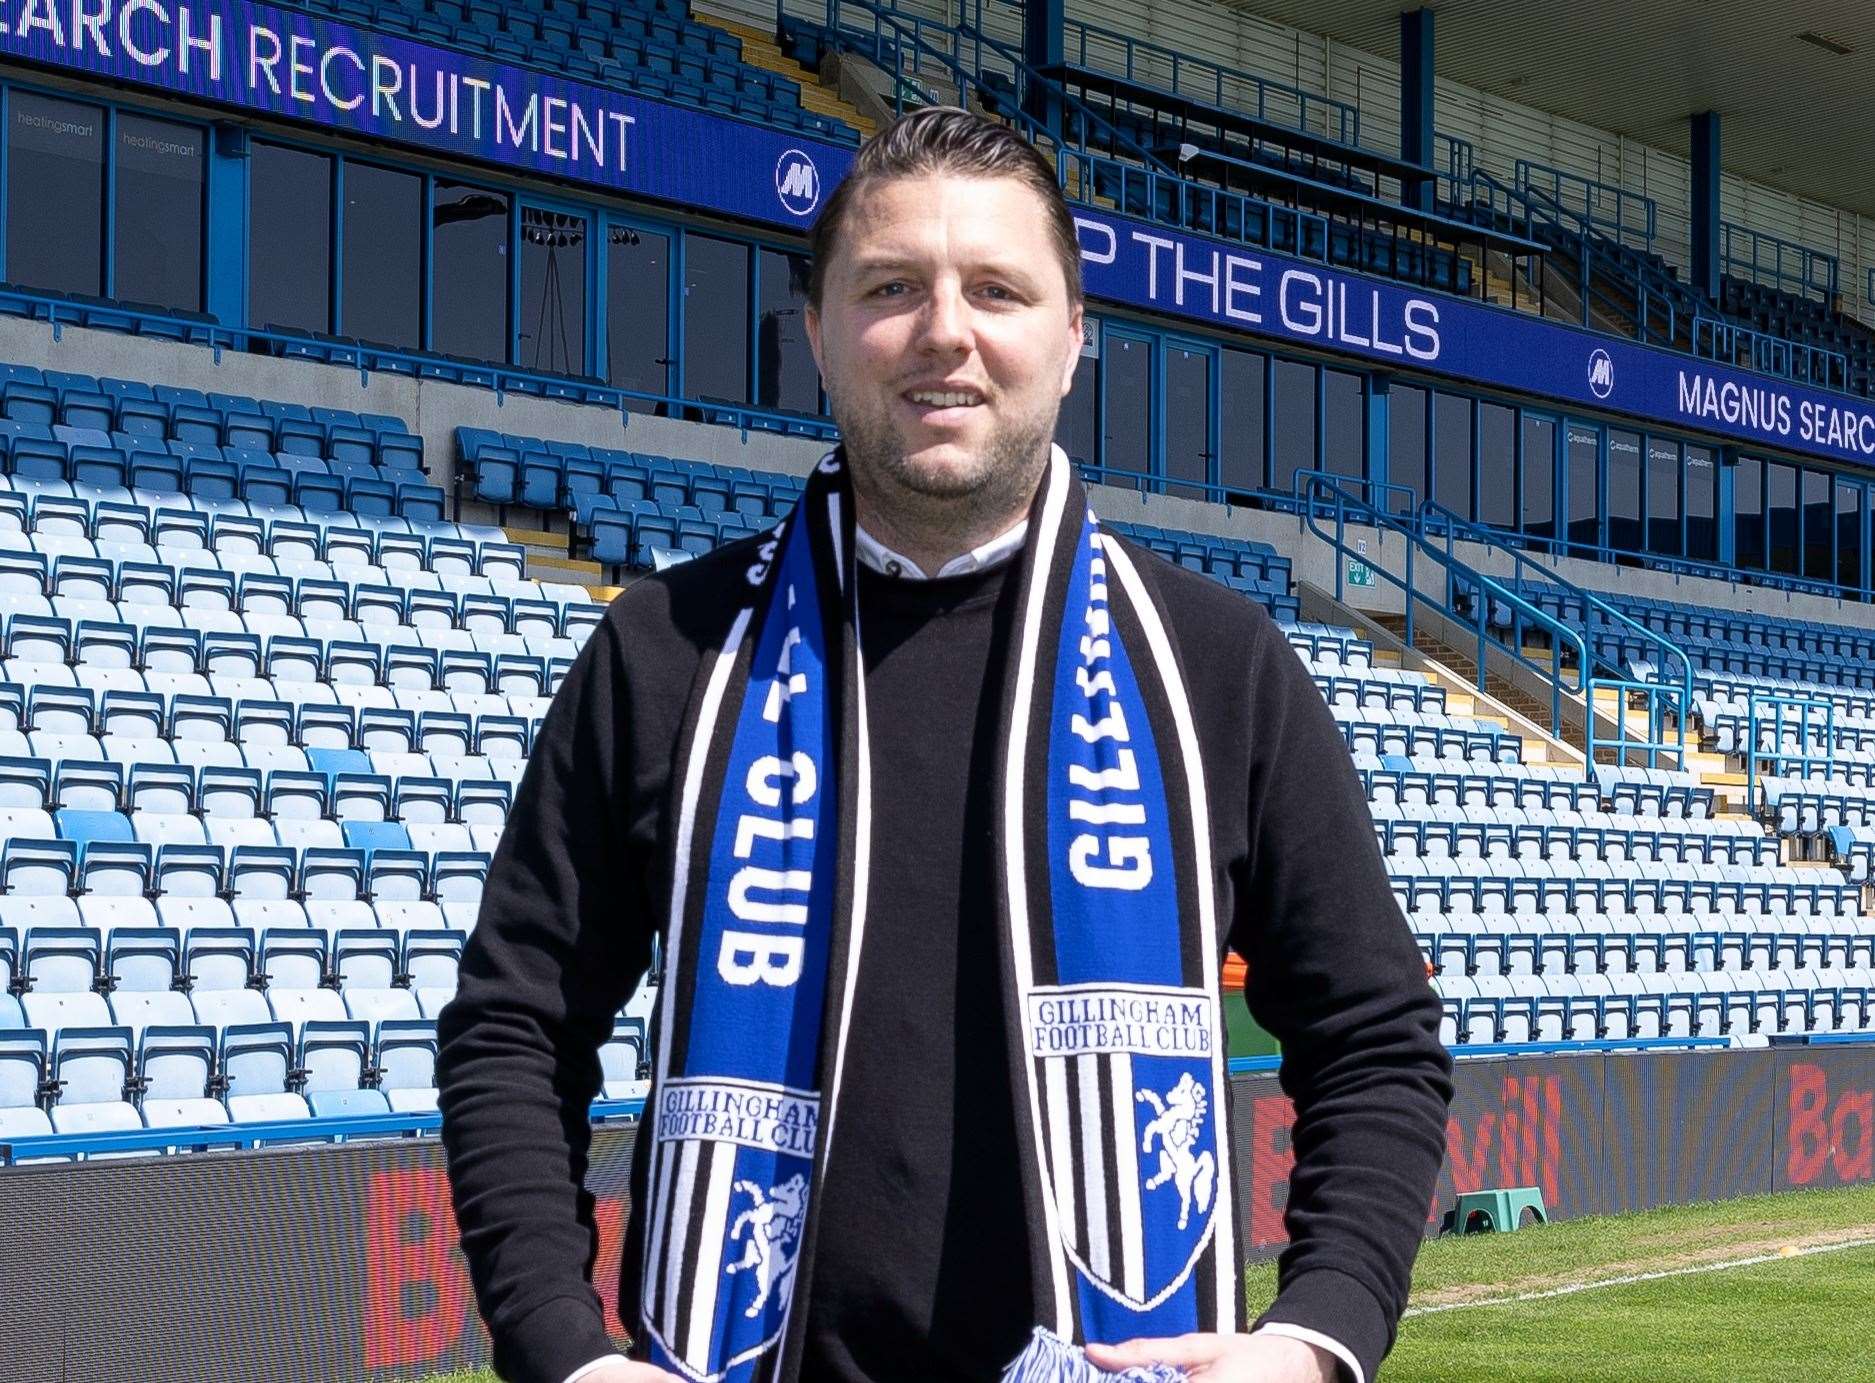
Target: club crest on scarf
(735,1147)
(1124,1066)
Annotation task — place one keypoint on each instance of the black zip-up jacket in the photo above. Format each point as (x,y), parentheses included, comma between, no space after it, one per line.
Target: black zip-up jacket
(921,1269)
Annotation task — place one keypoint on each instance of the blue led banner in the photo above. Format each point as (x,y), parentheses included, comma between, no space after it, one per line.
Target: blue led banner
(297,66)
(301,67)
(1242,288)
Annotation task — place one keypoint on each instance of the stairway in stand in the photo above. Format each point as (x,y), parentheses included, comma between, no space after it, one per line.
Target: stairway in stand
(760,50)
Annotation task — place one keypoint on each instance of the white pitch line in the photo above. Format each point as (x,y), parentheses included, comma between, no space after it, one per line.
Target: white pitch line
(1575,1287)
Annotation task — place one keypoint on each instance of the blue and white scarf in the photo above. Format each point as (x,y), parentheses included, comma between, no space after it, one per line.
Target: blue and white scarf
(1108,930)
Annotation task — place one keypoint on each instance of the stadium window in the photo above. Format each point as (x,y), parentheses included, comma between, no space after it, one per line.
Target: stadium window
(1344,423)
(1663,497)
(637,313)
(1702,505)
(786,376)
(1497,465)
(1242,417)
(289,239)
(469,261)
(382,295)
(1075,425)
(1849,527)
(716,319)
(1780,515)
(1538,496)
(1748,545)
(55,194)
(1585,487)
(1819,524)
(1127,414)
(1406,444)
(1295,429)
(1624,491)
(156,232)
(1188,418)
(1452,453)
(551,335)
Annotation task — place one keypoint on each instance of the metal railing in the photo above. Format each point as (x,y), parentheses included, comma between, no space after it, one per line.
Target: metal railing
(1782,264)
(1499,615)
(1657,301)
(1095,163)
(1099,49)
(1622,214)
(1760,351)
(1810,718)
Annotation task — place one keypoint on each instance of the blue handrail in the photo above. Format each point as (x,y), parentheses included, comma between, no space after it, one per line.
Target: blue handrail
(1323,494)
(1661,698)
(327,1129)
(1465,585)
(1150,63)
(1805,710)
(1748,348)
(1783,264)
(1653,292)
(1093,159)
(1622,213)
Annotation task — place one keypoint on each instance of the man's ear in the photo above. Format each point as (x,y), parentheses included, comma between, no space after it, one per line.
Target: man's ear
(812,317)
(1076,329)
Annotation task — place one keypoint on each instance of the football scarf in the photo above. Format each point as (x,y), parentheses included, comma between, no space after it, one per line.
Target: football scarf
(1108,933)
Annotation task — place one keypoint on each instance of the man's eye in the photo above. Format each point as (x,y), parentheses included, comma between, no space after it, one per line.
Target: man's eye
(886,288)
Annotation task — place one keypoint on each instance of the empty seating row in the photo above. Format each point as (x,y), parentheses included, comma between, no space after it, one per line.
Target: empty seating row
(1488,841)
(139,410)
(1607,950)
(1734,1005)
(94,1079)
(71,603)
(114,514)
(1513,887)
(38,451)
(134,869)
(336,785)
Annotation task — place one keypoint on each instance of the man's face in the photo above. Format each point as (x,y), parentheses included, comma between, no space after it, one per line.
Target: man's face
(945,338)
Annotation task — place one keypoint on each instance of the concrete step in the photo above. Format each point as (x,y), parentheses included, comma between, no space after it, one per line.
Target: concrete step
(759,49)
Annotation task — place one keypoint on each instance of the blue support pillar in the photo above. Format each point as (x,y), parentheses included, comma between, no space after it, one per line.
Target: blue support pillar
(1416,114)
(1379,397)
(226,286)
(1728,469)
(1706,234)
(1043,48)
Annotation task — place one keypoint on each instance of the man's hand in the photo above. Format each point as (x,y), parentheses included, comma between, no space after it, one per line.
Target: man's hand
(1256,1358)
(627,1372)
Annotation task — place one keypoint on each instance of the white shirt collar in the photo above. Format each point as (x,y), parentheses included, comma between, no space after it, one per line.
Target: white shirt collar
(997,550)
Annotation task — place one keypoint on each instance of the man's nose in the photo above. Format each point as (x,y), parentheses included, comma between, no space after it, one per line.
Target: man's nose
(947,325)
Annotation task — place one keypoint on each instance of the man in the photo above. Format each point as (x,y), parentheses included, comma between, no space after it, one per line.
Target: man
(943,805)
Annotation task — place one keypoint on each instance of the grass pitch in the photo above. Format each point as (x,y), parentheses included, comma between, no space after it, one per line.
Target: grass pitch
(1807,1313)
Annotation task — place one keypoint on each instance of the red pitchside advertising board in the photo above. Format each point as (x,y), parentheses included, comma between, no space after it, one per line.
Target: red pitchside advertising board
(338,1264)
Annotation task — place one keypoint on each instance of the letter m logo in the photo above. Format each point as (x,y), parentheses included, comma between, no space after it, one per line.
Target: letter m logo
(797,182)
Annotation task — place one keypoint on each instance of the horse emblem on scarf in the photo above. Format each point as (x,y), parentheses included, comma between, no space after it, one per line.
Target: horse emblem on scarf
(774,1223)
(1178,1122)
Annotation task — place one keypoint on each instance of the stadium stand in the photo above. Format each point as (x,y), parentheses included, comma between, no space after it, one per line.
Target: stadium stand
(270,668)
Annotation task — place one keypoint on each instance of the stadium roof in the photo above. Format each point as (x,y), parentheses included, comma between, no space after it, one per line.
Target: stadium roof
(1794,112)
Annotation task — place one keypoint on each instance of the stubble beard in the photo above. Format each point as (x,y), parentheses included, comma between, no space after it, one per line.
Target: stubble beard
(948,503)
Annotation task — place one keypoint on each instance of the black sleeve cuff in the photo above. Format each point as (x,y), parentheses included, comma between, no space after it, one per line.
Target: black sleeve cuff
(552,1340)
(1340,1307)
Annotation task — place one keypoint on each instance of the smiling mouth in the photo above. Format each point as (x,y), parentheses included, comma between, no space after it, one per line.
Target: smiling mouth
(942,400)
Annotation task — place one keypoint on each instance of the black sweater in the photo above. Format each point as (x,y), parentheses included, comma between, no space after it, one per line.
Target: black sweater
(921,1267)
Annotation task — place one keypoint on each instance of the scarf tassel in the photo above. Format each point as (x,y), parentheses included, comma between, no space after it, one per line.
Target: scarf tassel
(1048,1358)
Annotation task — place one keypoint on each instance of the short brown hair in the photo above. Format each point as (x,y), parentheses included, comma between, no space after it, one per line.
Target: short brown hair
(946,139)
